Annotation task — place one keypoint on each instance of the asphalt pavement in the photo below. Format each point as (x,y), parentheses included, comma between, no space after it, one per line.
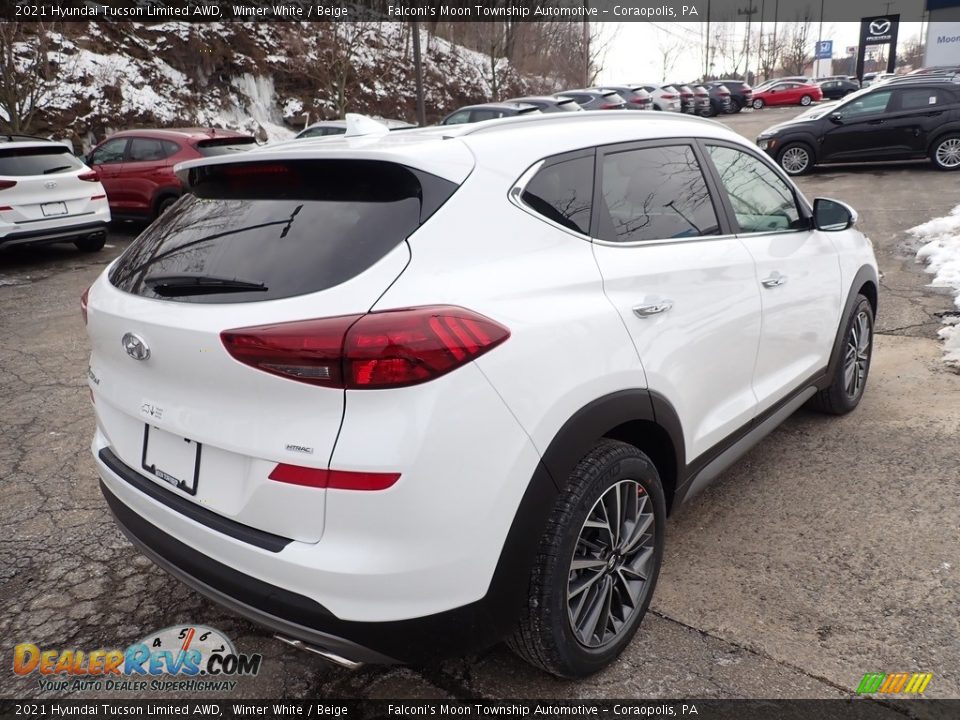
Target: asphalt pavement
(830,551)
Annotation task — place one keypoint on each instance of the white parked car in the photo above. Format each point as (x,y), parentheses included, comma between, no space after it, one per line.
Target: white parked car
(406,395)
(665,97)
(48,195)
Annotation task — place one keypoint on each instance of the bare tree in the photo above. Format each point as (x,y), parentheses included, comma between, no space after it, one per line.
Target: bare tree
(771,49)
(347,40)
(669,49)
(911,53)
(797,48)
(26,76)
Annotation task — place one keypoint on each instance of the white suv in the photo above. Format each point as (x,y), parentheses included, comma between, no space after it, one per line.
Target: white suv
(404,395)
(48,195)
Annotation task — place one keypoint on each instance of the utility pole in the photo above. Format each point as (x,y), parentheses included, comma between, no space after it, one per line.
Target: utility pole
(776,12)
(706,58)
(418,74)
(586,52)
(816,54)
(749,11)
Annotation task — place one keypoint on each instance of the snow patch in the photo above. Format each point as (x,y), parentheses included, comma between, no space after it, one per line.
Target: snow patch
(941,253)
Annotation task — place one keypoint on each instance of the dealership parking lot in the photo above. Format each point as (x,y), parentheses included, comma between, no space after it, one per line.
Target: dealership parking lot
(830,551)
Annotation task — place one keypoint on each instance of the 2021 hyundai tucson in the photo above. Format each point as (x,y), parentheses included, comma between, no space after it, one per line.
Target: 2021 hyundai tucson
(402,396)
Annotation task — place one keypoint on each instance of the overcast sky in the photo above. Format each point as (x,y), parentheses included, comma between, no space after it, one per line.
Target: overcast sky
(634,48)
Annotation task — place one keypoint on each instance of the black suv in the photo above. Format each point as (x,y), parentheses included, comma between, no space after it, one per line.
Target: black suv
(891,121)
(741,94)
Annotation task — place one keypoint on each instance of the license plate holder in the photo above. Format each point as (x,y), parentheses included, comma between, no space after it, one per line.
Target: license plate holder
(173,459)
(53,209)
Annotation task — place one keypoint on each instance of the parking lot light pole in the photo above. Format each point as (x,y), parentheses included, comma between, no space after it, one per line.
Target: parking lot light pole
(418,74)
(816,55)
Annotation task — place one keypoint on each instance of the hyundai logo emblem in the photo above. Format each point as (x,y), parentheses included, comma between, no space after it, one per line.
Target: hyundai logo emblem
(50,184)
(135,346)
(879,27)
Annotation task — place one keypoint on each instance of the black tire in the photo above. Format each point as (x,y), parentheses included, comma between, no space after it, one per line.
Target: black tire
(710,111)
(91,244)
(758,104)
(163,204)
(806,100)
(945,153)
(657,108)
(843,396)
(735,107)
(545,635)
(791,151)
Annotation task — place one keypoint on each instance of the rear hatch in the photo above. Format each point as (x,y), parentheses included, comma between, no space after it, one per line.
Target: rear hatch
(41,185)
(256,244)
(612,100)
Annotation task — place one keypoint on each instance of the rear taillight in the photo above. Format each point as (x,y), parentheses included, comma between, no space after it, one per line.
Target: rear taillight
(610,106)
(669,96)
(5,184)
(336,479)
(639,101)
(92,176)
(83,304)
(389,349)
(98,197)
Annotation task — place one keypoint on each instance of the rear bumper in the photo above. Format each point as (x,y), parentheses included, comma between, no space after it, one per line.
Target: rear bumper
(286,613)
(54,235)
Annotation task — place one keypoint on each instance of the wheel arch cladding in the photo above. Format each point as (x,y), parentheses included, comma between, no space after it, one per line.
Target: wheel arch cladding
(864,283)
(638,417)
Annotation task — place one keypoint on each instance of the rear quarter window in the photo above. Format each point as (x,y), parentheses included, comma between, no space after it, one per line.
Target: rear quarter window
(292,228)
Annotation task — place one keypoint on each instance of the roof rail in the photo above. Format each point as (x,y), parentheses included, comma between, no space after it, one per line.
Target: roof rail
(581,117)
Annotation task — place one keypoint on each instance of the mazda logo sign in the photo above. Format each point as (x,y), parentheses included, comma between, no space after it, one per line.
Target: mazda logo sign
(135,346)
(879,27)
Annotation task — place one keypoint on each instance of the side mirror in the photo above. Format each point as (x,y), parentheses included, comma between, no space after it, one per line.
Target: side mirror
(836,118)
(832,215)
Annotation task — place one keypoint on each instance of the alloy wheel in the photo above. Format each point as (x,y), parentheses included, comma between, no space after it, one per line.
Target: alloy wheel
(795,160)
(948,153)
(805,100)
(611,566)
(856,359)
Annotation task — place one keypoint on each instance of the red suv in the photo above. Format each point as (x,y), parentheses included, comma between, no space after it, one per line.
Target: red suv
(136,166)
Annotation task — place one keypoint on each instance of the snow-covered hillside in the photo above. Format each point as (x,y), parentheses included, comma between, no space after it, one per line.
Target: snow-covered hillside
(262,77)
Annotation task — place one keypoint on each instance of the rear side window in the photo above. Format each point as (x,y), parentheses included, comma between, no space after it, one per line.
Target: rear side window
(225,145)
(563,192)
(19,162)
(917,99)
(149,149)
(654,193)
(268,230)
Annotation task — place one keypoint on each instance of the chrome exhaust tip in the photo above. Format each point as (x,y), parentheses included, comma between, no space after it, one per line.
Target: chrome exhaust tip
(325,654)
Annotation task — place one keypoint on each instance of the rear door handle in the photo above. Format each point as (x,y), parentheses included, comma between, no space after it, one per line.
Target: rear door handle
(775,280)
(655,308)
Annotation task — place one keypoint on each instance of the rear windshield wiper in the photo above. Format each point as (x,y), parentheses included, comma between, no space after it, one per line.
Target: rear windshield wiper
(58,168)
(181,285)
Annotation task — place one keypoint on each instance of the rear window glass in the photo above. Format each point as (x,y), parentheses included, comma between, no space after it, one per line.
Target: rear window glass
(262,231)
(225,146)
(19,162)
